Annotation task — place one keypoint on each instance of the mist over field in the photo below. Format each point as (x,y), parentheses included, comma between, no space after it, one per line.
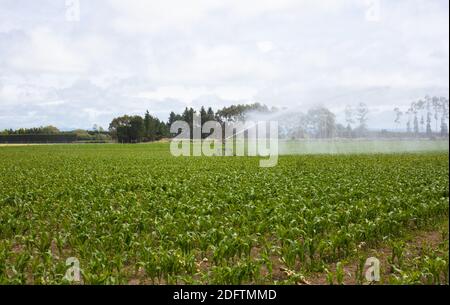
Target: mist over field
(361,146)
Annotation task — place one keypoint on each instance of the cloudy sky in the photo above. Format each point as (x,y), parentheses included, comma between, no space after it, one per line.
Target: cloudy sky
(73,63)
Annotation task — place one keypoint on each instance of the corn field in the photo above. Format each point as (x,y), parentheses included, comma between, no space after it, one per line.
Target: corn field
(135,214)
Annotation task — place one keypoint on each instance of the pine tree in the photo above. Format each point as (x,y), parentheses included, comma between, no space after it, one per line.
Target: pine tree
(210,115)
(147,123)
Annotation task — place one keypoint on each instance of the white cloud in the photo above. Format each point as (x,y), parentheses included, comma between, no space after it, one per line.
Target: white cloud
(127,56)
(48,52)
(189,94)
(9,93)
(265,46)
(148,16)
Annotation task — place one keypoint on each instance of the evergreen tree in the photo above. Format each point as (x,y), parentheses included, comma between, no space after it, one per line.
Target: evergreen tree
(147,123)
(210,115)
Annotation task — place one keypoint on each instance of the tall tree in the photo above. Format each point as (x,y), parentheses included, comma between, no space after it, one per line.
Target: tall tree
(361,115)
(147,124)
(416,125)
(436,106)
(398,115)
(408,123)
(173,118)
(349,119)
(210,116)
(127,129)
(137,129)
(422,123)
(444,116)
(322,122)
(203,115)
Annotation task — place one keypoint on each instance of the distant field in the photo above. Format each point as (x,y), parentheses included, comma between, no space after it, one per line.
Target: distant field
(361,146)
(313,146)
(135,214)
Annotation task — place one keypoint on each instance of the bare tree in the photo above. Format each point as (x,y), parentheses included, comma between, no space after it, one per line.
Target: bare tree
(414,109)
(398,115)
(361,116)
(349,119)
(408,123)
(429,131)
(444,116)
(436,107)
(422,123)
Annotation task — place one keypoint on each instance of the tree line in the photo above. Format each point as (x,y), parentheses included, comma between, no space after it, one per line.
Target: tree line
(317,122)
(420,114)
(320,122)
(51,134)
(135,129)
(42,130)
(424,117)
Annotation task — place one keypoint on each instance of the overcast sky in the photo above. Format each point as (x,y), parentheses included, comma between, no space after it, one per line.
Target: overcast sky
(125,56)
